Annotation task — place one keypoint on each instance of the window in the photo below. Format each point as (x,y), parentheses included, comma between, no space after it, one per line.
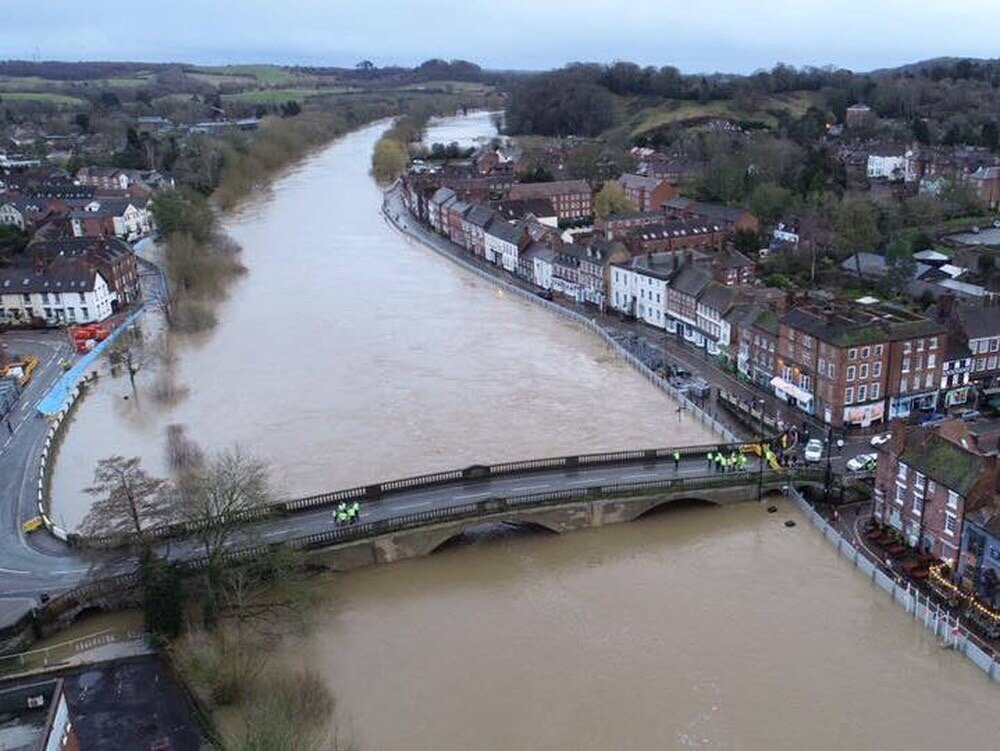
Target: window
(877,370)
(865,352)
(878,350)
(918,505)
(852,354)
(931,487)
(907,347)
(900,494)
(933,343)
(920,345)
(850,372)
(931,360)
(874,391)
(849,395)
(991,363)
(862,392)
(950,524)
(83,313)
(952,499)
(929,381)
(901,473)
(994,345)
(906,364)
(863,372)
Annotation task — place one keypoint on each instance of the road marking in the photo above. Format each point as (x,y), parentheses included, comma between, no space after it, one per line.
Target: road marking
(641,474)
(414,505)
(531,487)
(470,495)
(13,571)
(590,481)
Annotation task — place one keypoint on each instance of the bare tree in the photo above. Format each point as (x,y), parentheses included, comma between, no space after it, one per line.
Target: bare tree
(131,502)
(215,499)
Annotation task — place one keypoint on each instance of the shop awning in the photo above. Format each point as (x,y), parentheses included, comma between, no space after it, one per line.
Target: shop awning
(780,384)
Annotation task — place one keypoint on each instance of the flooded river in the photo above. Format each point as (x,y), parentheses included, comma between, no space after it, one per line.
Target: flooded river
(348,354)
(697,628)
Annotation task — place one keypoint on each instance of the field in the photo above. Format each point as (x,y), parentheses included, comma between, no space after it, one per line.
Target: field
(449,87)
(280,96)
(264,75)
(680,110)
(43,97)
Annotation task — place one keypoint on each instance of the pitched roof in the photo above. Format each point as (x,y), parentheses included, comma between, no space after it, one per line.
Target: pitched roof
(847,325)
(479,215)
(639,181)
(510,233)
(547,190)
(691,280)
(64,275)
(717,297)
(942,460)
(978,322)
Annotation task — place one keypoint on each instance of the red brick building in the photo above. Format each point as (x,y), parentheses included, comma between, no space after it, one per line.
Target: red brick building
(572,199)
(675,235)
(647,193)
(928,479)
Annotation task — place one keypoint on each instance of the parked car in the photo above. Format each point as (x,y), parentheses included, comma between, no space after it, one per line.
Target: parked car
(878,440)
(968,415)
(701,389)
(933,419)
(545,294)
(814,450)
(863,463)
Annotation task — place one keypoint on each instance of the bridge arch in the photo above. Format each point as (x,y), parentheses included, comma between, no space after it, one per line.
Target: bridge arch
(452,536)
(681,501)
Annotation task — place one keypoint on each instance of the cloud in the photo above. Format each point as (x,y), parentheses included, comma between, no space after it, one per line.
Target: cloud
(730,35)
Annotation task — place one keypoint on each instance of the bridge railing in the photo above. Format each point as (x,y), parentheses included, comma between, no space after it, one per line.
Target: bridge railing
(483,509)
(375,492)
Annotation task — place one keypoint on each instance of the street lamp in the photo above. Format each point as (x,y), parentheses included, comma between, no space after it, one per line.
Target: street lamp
(829,467)
(759,403)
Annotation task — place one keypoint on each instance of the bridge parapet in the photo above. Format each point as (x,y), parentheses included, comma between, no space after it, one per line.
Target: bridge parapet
(374,492)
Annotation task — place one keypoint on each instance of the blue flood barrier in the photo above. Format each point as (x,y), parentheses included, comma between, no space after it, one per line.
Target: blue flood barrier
(57,398)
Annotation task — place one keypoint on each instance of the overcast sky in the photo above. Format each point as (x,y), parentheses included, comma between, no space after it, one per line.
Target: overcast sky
(711,35)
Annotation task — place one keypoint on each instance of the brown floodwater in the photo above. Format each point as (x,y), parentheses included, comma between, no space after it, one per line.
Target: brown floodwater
(350,354)
(697,628)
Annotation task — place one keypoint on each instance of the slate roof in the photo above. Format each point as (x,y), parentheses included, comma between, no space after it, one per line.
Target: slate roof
(515,209)
(479,215)
(717,297)
(506,231)
(857,324)
(979,322)
(941,460)
(691,280)
(547,190)
(638,181)
(65,275)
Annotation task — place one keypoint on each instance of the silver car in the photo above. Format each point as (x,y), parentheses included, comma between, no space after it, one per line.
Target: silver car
(814,450)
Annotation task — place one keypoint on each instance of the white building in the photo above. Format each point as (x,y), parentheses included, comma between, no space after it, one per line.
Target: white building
(786,233)
(502,243)
(12,215)
(541,259)
(67,291)
(639,288)
(890,167)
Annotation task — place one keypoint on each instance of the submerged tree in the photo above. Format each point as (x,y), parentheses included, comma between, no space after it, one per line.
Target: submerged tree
(130,502)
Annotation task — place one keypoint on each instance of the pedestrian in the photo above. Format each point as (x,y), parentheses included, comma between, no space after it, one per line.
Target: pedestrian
(10,428)
(709,457)
(677,461)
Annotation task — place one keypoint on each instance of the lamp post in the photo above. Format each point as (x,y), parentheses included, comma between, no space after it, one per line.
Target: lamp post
(828,441)
(759,403)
